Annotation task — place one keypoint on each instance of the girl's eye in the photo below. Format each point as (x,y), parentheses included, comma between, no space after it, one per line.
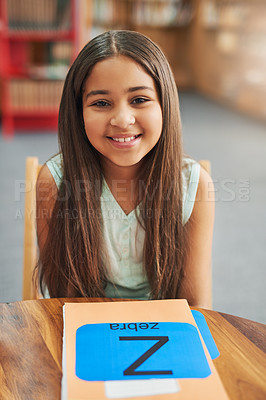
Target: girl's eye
(100,103)
(140,100)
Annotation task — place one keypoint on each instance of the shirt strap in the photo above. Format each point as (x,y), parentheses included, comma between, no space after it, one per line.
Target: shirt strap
(55,167)
(190,176)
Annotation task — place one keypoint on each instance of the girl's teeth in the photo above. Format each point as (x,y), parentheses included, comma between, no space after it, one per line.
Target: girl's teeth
(128,139)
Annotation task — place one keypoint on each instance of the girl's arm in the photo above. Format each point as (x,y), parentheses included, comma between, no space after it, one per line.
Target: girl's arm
(46,193)
(197,282)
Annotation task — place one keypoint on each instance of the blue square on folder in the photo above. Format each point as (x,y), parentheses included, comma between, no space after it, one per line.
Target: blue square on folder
(141,350)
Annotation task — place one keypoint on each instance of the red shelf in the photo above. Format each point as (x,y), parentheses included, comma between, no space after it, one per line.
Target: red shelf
(26,97)
(34,35)
(37,122)
(35,113)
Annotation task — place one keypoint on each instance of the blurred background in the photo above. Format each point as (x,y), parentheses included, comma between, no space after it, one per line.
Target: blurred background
(217,51)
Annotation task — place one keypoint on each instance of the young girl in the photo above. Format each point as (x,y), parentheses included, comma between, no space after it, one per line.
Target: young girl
(120,211)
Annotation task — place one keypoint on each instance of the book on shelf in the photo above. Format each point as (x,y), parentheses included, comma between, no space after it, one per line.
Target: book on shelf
(162,13)
(38,15)
(29,95)
(40,60)
(139,350)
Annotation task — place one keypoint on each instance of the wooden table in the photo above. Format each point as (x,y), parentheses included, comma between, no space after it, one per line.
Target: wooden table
(31,351)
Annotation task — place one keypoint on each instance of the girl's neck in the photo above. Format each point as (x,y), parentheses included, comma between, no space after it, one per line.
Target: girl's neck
(115,172)
(123,183)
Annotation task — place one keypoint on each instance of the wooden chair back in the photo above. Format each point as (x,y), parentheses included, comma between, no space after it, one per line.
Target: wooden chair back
(30,238)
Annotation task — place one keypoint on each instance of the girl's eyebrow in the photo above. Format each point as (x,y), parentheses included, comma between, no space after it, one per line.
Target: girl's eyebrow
(134,89)
(130,90)
(95,92)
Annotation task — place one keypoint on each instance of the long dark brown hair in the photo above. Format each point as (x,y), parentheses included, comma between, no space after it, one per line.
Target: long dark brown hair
(71,263)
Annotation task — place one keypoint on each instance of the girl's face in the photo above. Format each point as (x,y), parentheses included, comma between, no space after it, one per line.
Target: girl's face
(121,111)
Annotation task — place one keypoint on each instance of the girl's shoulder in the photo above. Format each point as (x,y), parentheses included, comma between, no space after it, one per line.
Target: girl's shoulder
(197,187)
(46,194)
(190,170)
(190,183)
(54,164)
(46,185)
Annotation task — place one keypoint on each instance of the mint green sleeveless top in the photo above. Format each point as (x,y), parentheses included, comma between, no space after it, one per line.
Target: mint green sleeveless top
(124,237)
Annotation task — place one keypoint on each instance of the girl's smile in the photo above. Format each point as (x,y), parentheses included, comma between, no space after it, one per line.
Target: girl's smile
(121,111)
(124,142)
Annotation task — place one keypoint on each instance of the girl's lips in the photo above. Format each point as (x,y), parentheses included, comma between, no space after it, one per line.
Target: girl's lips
(124,142)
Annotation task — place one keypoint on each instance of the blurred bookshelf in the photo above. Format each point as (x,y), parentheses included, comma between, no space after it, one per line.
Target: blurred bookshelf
(38,40)
(228,53)
(141,13)
(217,47)
(167,22)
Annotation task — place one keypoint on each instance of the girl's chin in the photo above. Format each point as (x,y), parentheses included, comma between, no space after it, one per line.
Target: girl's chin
(120,163)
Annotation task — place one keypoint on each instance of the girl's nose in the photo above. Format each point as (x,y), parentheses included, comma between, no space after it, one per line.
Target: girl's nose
(122,118)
